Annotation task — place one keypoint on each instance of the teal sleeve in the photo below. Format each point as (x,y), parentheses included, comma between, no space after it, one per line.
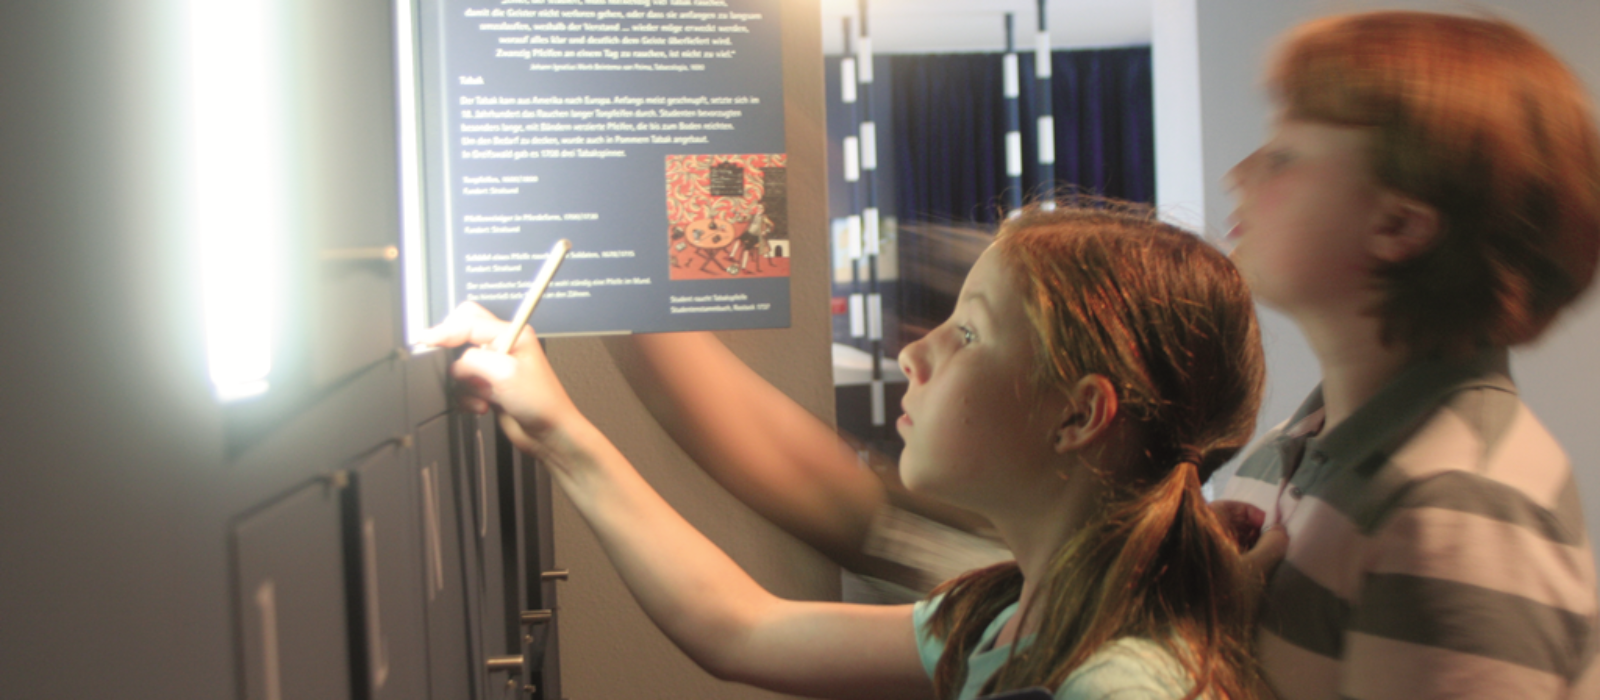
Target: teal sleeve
(928,647)
(1127,669)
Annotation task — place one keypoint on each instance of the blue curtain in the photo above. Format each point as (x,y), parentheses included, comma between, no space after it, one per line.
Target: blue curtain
(948,130)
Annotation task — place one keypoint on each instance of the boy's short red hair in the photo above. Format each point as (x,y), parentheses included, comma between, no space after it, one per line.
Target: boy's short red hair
(1478,119)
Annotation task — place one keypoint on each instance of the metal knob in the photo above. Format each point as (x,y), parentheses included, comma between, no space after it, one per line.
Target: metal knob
(557,575)
(536,617)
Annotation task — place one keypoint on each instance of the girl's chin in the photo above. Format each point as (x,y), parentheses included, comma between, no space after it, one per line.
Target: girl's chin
(923,484)
(911,478)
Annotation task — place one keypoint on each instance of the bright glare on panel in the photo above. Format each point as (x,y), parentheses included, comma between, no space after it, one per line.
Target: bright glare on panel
(236,198)
(414,244)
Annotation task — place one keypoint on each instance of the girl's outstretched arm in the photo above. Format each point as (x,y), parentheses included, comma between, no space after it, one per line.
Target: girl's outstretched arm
(701,599)
(754,440)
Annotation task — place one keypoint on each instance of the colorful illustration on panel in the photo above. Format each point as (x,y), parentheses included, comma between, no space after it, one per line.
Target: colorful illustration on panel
(727,216)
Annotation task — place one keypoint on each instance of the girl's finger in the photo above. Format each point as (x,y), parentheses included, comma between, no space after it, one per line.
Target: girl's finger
(450,332)
(472,309)
(469,323)
(482,366)
(475,387)
(514,432)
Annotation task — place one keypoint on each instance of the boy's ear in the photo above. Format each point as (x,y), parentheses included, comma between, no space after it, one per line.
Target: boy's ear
(1407,228)
(1088,415)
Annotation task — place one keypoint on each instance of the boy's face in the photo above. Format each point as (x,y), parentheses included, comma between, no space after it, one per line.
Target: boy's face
(1305,201)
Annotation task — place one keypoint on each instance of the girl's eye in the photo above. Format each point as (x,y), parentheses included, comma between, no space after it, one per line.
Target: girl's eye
(967,336)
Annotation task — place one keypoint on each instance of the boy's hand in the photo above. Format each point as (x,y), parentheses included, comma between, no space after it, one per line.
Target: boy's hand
(1259,562)
(1241,520)
(520,384)
(1264,557)
(1262,550)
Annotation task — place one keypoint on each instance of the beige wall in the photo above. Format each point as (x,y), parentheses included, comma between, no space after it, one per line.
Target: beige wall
(609,649)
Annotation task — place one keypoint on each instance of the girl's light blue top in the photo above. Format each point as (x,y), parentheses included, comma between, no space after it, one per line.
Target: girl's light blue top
(1130,668)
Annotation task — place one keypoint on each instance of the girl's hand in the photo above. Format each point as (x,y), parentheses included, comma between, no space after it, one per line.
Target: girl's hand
(520,384)
(699,596)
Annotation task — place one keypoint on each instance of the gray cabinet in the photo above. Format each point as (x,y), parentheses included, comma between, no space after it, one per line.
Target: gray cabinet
(386,527)
(498,538)
(450,658)
(398,577)
(302,543)
(536,521)
(290,596)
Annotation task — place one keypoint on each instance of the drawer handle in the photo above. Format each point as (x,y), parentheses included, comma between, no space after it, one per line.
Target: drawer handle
(386,253)
(511,664)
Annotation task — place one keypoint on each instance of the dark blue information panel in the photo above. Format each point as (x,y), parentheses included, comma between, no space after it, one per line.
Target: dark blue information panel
(649,132)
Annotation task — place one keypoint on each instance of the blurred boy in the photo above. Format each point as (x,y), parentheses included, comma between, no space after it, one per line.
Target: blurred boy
(1429,198)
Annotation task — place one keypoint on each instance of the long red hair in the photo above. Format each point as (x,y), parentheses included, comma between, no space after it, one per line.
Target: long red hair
(1168,320)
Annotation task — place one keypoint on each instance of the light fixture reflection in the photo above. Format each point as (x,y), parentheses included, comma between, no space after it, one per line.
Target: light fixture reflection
(236,193)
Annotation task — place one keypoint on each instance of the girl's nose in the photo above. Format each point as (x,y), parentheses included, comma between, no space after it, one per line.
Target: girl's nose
(913,361)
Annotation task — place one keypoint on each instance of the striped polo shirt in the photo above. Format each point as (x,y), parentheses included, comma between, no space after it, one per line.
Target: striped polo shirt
(1436,548)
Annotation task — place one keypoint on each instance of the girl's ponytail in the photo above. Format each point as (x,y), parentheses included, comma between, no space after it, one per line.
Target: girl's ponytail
(1199,578)
(1153,519)
(1157,565)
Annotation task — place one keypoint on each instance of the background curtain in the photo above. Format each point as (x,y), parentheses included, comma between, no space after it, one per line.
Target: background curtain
(947,131)
(946,139)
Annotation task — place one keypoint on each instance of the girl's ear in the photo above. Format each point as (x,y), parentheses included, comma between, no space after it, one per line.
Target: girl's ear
(1090,410)
(1407,228)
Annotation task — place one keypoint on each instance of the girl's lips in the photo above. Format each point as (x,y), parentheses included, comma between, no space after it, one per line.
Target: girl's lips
(904,422)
